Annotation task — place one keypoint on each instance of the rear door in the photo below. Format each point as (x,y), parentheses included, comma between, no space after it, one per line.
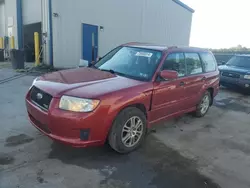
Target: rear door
(195,79)
(211,71)
(169,94)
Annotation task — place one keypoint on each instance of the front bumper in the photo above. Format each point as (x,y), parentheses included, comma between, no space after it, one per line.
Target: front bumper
(243,83)
(67,127)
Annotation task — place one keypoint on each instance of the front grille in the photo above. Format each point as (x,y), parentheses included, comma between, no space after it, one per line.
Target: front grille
(40,98)
(232,75)
(39,124)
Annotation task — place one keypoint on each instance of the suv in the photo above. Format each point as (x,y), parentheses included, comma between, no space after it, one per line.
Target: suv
(236,72)
(122,95)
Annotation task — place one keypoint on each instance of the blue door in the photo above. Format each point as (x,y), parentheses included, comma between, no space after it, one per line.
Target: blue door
(90,42)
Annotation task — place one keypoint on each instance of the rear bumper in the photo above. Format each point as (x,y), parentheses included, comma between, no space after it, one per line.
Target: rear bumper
(243,83)
(67,127)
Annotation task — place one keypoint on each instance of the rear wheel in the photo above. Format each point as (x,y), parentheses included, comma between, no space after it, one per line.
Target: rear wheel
(128,130)
(203,106)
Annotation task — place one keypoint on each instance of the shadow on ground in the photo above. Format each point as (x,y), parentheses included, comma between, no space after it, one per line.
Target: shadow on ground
(236,89)
(238,103)
(153,165)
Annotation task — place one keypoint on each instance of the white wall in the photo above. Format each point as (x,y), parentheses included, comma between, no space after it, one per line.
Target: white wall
(10,11)
(161,21)
(31,11)
(31,14)
(2,20)
(166,22)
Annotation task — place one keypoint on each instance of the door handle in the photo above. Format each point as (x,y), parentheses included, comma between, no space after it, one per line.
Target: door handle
(203,79)
(182,83)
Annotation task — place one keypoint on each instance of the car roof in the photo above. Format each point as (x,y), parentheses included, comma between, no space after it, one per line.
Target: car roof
(164,47)
(146,46)
(243,55)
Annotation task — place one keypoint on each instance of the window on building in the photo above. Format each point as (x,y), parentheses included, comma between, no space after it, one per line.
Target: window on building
(176,62)
(209,62)
(193,63)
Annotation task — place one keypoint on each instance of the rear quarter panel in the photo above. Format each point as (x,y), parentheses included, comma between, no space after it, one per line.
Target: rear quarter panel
(212,81)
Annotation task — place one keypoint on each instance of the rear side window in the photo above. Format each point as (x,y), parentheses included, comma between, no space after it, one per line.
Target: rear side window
(176,62)
(209,62)
(193,63)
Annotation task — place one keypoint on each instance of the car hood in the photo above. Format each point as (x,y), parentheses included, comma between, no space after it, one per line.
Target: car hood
(240,70)
(83,82)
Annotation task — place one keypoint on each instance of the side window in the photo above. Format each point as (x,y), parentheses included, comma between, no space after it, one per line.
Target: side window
(193,63)
(176,62)
(209,62)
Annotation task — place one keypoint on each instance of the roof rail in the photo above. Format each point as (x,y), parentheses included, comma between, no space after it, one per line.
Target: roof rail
(171,47)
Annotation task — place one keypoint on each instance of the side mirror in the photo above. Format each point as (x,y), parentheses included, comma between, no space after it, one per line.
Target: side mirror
(169,75)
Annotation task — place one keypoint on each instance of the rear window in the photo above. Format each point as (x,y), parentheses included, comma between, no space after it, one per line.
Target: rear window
(208,62)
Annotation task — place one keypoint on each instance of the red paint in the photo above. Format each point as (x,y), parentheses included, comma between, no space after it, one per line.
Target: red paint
(162,100)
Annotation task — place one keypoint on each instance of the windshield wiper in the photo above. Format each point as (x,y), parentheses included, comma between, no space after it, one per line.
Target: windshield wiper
(110,70)
(121,74)
(92,66)
(114,72)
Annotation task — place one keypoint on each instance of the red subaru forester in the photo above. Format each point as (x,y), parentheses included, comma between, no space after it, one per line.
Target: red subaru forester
(123,94)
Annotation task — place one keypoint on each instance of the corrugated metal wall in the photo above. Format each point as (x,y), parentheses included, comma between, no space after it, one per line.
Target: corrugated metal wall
(2,20)
(45,29)
(31,11)
(161,21)
(10,11)
(31,14)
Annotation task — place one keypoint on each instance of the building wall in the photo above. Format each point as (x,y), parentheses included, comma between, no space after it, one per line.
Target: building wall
(2,20)
(31,11)
(8,8)
(161,21)
(166,22)
(10,11)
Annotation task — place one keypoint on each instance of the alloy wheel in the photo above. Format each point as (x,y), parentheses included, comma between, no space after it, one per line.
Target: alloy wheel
(132,131)
(204,104)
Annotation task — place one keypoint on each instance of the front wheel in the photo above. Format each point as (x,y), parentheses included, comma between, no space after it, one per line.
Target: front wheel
(128,130)
(203,106)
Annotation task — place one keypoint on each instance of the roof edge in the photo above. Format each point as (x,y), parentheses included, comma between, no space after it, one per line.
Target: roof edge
(184,5)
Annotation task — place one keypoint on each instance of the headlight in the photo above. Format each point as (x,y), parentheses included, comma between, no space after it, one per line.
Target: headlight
(75,104)
(247,77)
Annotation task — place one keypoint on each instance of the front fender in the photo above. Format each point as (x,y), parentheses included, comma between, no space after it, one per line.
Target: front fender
(121,102)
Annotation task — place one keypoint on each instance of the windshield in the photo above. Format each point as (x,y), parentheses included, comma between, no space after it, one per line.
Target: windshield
(135,63)
(239,61)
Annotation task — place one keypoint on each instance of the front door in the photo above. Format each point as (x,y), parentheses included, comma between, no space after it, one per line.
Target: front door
(90,42)
(167,99)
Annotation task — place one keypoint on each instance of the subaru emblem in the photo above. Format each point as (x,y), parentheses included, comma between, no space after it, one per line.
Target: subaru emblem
(39,96)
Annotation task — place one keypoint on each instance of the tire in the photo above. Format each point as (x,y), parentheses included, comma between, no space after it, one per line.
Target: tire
(200,111)
(121,130)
